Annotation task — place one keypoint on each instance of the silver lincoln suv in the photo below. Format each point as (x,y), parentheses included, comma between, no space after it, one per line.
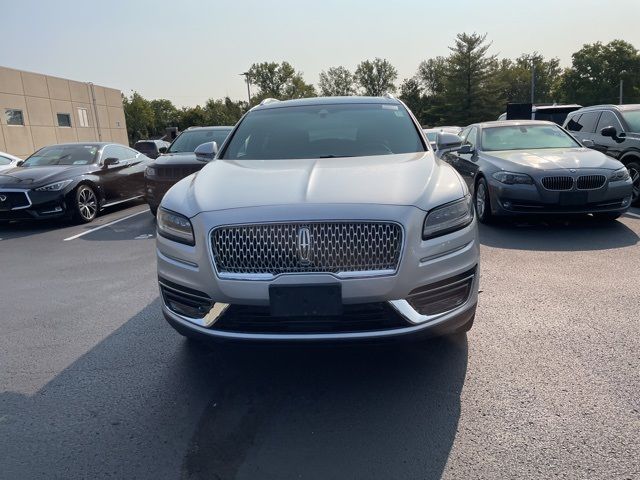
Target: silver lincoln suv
(320,219)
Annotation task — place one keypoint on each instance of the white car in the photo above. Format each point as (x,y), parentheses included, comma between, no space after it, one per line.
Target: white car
(7,161)
(320,219)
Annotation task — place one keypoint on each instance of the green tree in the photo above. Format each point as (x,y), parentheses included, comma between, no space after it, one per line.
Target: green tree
(471,93)
(139,117)
(376,77)
(223,112)
(596,71)
(411,95)
(192,117)
(432,75)
(165,115)
(337,81)
(278,80)
(513,78)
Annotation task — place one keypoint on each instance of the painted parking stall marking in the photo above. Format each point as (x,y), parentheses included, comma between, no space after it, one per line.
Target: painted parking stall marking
(103,226)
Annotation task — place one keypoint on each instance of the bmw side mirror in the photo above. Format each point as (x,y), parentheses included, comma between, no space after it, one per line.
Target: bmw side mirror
(206,151)
(588,143)
(19,164)
(609,131)
(448,141)
(110,161)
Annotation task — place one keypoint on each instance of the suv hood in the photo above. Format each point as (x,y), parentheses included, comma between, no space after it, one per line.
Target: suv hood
(417,179)
(31,177)
(177,159)
(552,159)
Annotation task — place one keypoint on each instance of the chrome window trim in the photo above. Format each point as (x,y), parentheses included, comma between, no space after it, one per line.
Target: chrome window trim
(25,191)
(340,275)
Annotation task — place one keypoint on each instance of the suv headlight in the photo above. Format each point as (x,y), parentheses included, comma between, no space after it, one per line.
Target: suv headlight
(54,187)
(620,175)
(175,227)
(150,172)
(512,178)
(448,218)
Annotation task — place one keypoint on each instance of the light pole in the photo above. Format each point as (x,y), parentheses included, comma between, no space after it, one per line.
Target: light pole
(533,81)
(246,77)
(621,85)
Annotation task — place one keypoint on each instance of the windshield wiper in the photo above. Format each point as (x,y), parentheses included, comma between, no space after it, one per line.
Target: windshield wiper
(334,156)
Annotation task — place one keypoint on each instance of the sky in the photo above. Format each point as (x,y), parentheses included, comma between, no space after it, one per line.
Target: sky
(192,50)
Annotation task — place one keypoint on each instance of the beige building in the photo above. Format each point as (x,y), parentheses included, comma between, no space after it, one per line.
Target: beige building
(38,110)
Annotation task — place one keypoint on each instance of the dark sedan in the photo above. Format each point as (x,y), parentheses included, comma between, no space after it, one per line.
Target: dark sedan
(535,167)
(73,180)
(180,161)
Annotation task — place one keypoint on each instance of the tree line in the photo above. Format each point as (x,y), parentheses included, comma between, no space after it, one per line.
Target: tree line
(470,84)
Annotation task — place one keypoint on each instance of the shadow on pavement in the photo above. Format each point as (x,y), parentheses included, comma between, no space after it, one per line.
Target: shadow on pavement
(143,403)
(575,234)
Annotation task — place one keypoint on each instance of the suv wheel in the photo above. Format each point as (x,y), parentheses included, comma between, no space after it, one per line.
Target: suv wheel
(634,171)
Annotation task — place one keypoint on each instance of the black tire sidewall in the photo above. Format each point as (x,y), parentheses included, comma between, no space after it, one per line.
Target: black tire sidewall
(636,166)
(486,217)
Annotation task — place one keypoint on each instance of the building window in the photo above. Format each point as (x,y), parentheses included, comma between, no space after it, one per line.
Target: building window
(64,119)
(14,117)
(83,118)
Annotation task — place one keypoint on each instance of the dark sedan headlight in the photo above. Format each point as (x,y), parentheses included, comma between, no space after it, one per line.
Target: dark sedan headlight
(54,187)
(620,175)
(448,218)
(512,178)
(175,227)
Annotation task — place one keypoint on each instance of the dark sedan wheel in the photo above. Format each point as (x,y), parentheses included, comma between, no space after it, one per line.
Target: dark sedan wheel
(634,171)
(86,204)
(483,202)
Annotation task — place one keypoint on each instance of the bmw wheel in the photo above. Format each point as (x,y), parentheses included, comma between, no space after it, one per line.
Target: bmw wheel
(483,202)
(86,204)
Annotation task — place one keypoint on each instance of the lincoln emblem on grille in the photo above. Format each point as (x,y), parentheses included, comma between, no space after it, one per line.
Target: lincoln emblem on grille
(304,245)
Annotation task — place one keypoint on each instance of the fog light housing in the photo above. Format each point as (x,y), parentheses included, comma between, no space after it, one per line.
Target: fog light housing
(443,296)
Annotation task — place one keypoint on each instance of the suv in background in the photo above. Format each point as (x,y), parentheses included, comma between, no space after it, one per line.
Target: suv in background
(550,113)
(151,148)
(179,161)
(613,130)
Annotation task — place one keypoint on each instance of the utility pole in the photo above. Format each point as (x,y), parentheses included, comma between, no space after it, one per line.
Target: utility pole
(621,88)
(246,77)
(533,82)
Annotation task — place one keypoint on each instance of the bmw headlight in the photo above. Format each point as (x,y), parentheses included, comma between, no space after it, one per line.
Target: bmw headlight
(54,187)
(175,227)
(448,218)
(511,178)
(150,172)
(620,175)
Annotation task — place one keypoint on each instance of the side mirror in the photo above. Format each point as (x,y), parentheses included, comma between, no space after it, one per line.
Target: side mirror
(448,141)
(162,150)
(206,151)
(588,143)
(19,164)
(609,131)
(110,161)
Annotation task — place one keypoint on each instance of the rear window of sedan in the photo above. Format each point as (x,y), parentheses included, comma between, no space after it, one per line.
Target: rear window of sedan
(324,131)
(525,137)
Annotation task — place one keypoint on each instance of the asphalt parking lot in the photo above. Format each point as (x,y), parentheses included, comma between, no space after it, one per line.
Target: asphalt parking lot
(94,383)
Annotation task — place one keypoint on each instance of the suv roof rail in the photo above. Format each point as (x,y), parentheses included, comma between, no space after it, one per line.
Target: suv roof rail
(388,95)
(267,101)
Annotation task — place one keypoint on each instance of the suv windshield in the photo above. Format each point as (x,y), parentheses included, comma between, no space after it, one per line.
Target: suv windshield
(324,131)
(146,147)
(632,118)
(189,140)
(525,137)
(63,155)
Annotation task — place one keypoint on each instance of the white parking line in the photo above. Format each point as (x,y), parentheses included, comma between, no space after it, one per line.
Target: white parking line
(105,225)
(632,214)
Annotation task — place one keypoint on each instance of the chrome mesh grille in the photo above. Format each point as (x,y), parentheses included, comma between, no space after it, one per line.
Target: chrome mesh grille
(558,183)
(336,247)
(591,182)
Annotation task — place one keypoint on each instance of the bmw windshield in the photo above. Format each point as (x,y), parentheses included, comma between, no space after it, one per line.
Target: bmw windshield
(189,140)
(324,131)
(526,137)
